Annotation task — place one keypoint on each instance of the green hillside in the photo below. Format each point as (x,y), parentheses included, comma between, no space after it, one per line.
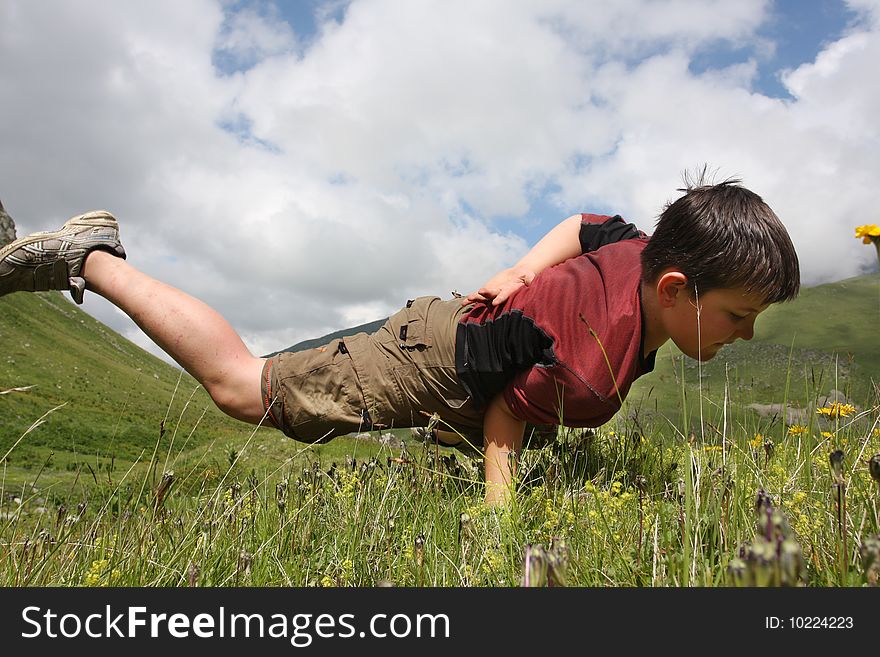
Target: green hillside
(114,397)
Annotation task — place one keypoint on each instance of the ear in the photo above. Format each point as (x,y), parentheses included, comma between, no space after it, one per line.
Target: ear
(672,287)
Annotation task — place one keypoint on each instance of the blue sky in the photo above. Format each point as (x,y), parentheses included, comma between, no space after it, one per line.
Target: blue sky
(342,157)
(797,30)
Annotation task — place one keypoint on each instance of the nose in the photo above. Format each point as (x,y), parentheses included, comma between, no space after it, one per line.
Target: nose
(747,330)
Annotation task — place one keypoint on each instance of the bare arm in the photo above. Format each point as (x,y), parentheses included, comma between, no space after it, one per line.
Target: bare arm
(560,244)
(503,433)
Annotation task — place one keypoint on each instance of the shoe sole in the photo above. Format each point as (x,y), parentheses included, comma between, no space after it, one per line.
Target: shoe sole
(98,218)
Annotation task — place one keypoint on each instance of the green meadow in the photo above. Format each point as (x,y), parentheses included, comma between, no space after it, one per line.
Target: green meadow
(118,471)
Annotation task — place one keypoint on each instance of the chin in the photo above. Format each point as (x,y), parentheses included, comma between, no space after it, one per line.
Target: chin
(703,354)
(707,353)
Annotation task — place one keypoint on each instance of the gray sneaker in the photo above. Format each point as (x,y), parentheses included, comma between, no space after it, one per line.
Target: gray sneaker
(53,260)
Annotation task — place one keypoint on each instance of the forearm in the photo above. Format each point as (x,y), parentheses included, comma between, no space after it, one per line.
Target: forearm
(560,244)
(503,436)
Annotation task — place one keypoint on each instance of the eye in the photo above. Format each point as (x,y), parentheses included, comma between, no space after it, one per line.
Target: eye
(736,317)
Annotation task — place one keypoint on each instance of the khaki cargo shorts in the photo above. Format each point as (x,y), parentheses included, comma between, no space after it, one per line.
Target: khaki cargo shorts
(397,377)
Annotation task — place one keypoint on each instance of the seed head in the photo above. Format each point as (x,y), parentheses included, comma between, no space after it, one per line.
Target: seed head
(281,495)
(768,448)
(245,559)
(534,566)
(419,550)
(62,512)
(874,467)
(557,562)
(193,574)
(836,460)
(164,487)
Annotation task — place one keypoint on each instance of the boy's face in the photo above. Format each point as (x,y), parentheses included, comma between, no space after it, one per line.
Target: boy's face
(725,314)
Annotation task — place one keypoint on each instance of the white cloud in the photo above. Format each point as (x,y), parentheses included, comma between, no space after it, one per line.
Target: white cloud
(247,37)
(322,185)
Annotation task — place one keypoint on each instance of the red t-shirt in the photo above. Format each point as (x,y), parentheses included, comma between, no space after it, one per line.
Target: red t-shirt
(537,348)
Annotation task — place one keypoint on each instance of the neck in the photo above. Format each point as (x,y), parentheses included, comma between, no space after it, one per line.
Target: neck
(655,335)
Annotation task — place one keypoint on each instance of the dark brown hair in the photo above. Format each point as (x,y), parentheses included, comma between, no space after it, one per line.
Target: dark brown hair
(724,236)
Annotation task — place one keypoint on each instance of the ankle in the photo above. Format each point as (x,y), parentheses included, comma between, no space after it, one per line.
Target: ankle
(96,264)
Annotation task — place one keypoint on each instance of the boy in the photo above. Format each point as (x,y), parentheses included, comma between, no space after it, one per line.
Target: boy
(562,347)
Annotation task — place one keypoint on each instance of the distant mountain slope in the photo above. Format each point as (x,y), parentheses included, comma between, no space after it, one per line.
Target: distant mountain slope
(116,394)
(369,327)
(841,317)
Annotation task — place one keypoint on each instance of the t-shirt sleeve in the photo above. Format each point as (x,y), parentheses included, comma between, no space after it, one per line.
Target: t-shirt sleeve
(553,395)
(597,231)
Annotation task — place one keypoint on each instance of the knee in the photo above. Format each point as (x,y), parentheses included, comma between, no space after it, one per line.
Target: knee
(240,396)
(234,406)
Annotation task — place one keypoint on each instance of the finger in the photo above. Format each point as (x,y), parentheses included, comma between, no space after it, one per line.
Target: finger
(505,292)
(473,297)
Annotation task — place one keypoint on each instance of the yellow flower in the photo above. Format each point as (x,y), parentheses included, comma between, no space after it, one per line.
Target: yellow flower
(797,430)
(757,441)
(837,410)
(867,232)
(100,574)
(827,434)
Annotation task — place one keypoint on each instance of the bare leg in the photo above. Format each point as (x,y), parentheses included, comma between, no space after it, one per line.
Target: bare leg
(191,332)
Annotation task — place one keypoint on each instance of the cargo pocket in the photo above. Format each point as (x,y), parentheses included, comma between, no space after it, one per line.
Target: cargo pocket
(408,329)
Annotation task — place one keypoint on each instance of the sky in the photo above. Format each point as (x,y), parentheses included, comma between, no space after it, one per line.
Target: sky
(307,166)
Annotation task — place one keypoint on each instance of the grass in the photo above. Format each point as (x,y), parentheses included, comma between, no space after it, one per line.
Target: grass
(121,473)
(626,505)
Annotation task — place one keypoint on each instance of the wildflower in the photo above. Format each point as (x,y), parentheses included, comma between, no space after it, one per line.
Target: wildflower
(869,233)
(100,574)
(836,409)
(827,434)
(796,430)
(757,441)
(348,484)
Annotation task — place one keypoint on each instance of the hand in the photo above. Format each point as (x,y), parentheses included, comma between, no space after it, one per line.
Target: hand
(499,288)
